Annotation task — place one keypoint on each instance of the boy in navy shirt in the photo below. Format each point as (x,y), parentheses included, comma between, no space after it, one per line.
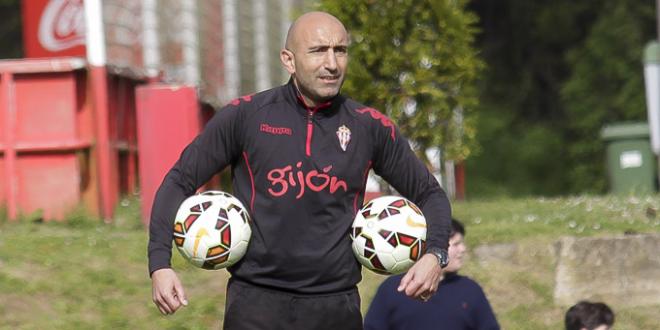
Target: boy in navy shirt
(459,303)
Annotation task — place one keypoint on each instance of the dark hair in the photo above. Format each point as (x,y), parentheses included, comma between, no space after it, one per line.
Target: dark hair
(589,315)
(456,228)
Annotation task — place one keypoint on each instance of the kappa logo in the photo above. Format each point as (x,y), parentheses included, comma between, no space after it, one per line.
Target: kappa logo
(275,130)
(344,136)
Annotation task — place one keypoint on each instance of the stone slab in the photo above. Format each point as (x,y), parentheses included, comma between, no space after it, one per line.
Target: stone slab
(620,270)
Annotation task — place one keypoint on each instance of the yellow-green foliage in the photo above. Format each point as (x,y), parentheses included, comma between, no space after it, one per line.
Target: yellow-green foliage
(420,53)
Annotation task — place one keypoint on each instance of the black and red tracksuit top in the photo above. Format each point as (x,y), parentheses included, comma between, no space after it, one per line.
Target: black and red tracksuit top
(301,172)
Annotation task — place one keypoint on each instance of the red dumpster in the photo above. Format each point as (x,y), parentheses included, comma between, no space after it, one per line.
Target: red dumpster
(45,146)
(48,135)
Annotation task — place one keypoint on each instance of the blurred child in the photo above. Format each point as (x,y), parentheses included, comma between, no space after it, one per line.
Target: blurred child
(459,304)
(587,315)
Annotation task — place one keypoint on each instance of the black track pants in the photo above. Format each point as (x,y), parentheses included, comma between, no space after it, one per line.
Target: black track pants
(255,308)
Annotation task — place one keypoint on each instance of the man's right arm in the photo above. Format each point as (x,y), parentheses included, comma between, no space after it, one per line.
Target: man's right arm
(216,147)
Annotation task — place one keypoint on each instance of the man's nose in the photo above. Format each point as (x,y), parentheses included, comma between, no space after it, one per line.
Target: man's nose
(330,60)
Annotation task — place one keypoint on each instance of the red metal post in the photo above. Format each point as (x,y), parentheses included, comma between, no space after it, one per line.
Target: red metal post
(9,149)
(459,173)
(99,89)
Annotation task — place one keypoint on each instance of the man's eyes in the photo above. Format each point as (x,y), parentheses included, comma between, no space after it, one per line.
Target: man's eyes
(337,50)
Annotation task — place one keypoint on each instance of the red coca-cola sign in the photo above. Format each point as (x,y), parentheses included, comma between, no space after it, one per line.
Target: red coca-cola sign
(53,28)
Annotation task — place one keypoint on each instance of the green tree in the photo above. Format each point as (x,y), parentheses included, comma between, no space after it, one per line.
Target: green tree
(606,85)
(521,118)
(415,61)
(557,72)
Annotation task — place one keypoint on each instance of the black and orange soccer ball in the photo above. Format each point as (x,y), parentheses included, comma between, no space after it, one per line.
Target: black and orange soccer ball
(212,230)
(389,235)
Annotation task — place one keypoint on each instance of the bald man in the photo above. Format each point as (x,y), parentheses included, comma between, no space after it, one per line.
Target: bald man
(300,155)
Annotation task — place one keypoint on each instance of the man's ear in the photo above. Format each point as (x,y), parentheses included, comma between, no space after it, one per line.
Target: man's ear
(286,57)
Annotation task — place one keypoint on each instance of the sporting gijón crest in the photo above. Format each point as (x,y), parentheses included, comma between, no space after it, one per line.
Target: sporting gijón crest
(344,136)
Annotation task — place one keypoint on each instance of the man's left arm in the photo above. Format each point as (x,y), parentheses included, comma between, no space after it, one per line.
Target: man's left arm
(396,162)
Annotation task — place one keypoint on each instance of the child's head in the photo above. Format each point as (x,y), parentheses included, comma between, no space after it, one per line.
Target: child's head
(457,246)
(587,315)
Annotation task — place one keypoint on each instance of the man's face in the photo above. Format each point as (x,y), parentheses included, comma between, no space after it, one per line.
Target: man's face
(456,253)
(320,57)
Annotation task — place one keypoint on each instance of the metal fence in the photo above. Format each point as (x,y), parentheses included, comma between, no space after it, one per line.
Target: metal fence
(227,48)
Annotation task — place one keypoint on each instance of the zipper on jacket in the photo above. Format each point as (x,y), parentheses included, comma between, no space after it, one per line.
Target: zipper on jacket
(310,123)
(310,129)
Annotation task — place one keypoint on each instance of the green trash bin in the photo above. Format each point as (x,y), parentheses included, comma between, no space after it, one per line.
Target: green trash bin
(630,162)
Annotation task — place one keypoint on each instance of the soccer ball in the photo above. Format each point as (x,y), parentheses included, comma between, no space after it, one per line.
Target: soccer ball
(212,230)
(389,235)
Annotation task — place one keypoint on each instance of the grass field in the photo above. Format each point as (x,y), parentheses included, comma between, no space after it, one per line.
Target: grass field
(83,274)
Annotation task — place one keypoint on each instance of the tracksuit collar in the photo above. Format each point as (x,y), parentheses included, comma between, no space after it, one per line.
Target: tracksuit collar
(325,108)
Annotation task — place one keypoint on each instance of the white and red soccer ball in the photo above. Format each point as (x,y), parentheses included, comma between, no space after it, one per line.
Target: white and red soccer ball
(212,230)
(389,235)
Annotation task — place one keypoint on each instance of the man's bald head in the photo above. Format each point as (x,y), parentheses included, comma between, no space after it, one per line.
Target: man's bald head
(307,22)
(316,56)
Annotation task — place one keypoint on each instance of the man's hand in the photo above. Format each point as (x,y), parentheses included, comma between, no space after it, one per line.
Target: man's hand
(167,291)
(422,279)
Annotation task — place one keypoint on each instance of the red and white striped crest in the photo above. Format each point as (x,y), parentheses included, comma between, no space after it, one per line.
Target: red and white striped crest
(344,136)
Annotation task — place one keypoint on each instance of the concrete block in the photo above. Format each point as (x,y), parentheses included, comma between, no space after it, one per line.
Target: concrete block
(618,270)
